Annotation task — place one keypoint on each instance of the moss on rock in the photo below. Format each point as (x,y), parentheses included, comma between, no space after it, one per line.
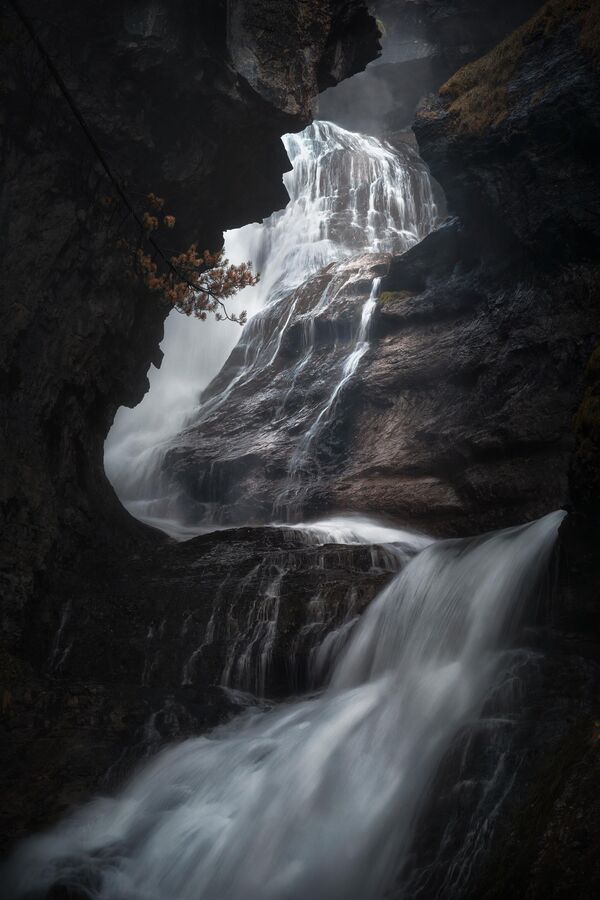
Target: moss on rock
(388,297)
(478,94)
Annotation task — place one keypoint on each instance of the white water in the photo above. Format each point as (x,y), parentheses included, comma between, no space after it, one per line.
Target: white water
(317,797)
(359,529)
(245,611)
(289,502)
(349,193)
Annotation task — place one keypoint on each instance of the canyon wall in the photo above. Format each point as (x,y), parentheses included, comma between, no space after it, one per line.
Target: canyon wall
(462,420)
(184,100)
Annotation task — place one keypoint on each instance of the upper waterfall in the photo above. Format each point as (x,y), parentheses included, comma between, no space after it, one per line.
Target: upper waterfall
(349,194)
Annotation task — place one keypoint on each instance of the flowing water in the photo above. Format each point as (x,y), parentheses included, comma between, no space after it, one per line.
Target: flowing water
(349,194)
(289,503)
(317,797)
(245,615)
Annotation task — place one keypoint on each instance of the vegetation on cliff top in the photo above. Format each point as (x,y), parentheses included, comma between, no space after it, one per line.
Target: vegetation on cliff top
(478,94)
(387,298)
(196,284)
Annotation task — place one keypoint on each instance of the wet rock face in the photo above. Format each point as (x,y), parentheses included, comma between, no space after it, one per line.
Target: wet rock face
(289,53)
(65,741)
(471,390)
(265,467)
(171,99)
(514,805)
(138,651)
(514,138)
(243,608)
(509,140)
(457,420)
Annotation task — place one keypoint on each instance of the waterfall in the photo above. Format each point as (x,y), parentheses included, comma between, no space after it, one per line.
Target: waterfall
(349,194)
(289,502)
(316,797)
(245,611)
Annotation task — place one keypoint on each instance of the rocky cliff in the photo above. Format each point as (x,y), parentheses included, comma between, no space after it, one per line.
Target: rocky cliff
(184,101)
(513,138)
(460,417)
(465,403)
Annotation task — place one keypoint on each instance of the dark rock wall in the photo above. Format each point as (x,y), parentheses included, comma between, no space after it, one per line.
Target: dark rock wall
(185,99)
(514,140)
(513,809)
(471,389)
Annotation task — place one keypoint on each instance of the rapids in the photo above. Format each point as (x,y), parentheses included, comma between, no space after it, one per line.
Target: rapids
(315,798)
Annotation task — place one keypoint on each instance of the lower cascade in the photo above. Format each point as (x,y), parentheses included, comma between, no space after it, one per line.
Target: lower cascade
(317,796)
